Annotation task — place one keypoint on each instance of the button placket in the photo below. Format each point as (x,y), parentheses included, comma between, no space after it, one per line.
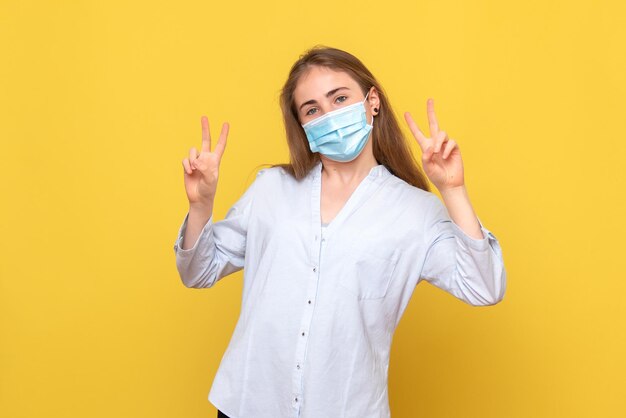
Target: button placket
(312,284)
(305,324)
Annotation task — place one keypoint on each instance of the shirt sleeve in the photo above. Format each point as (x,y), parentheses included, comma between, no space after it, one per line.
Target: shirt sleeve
(468,268)
(220,248)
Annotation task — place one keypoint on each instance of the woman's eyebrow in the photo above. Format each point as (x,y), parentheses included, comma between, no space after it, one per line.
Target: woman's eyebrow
(330,93)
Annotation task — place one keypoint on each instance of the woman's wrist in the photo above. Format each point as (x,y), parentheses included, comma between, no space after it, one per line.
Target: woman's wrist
(201,210)
(453,192)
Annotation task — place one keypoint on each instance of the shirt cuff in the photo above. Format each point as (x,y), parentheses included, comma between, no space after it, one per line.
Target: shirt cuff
(178,244)
(474,243)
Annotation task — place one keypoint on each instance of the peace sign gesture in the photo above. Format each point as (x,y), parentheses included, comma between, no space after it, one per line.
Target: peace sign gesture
(201,169)
(441,157)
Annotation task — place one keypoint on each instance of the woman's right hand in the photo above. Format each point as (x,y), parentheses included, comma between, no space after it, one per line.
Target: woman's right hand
(201,169)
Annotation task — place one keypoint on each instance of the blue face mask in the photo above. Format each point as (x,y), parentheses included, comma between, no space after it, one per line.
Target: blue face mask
(340,135)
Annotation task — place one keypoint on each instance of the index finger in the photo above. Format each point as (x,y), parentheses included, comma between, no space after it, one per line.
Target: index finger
(206,135)
(432,119)
(419,136)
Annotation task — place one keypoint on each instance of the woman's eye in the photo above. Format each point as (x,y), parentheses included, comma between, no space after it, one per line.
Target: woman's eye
(308,113)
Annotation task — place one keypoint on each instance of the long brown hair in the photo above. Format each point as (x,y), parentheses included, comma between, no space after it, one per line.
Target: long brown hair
(389,143)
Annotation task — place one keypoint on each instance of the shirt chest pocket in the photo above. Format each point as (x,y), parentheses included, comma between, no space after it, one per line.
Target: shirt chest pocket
(367,275)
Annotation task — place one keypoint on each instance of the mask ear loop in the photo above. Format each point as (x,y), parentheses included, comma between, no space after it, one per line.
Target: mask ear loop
(371,124)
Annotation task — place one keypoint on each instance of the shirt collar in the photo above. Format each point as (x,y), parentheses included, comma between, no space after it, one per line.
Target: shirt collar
(375,172)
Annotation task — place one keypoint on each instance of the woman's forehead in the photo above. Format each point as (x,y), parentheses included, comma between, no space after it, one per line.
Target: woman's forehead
(319,80)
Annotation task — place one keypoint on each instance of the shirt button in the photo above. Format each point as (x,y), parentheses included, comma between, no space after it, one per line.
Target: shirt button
(309,302)
(296,399)
(302,332)
(314,268)
(298,367)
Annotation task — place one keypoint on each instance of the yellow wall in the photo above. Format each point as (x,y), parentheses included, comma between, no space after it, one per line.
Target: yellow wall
(101,101)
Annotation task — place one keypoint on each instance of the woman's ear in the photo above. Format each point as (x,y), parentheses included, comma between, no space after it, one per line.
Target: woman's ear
(374,101)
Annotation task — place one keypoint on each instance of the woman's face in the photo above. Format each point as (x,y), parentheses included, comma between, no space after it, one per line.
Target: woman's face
(322,90)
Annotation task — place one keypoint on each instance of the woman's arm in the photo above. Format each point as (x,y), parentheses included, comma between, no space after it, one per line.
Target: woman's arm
(462,257)
(461,211)
(198,217)
(218,247)
(469,268)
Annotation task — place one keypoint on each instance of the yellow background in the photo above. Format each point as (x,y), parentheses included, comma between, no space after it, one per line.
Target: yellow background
(101,101)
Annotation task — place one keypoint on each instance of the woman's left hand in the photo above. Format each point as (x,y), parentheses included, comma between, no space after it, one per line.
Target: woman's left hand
(441,157)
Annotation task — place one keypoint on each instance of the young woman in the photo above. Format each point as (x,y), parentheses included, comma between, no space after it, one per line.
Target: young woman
(332,246)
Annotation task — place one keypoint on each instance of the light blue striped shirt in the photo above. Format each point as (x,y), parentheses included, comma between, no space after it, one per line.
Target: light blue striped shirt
(319,308)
